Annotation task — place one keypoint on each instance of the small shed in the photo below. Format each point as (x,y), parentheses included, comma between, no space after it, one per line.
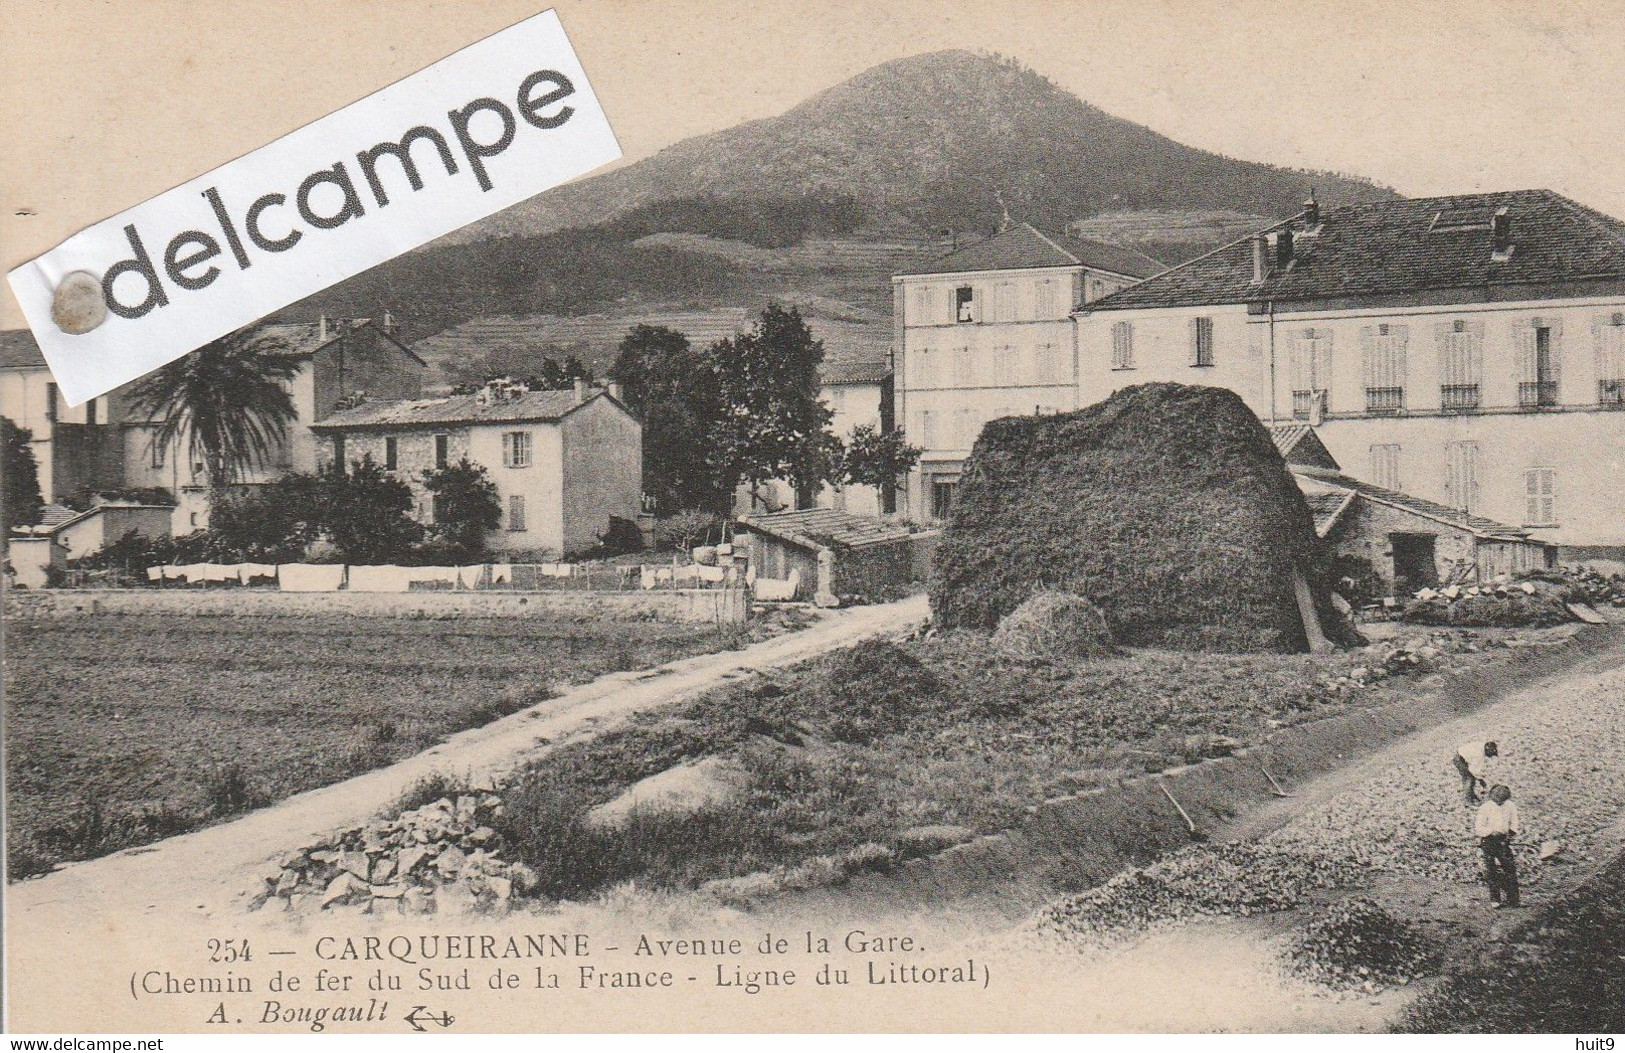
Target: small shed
(837,555)
(1409,542)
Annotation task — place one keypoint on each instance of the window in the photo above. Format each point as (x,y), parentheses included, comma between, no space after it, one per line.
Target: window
(1461,475)
(1006,365)
(1540,497)
(1461,363)
(1383,353)
(1311,368)
(964,304)
(1611,359)
(1537,364)
(918,365)
(1044,299)
(964,368)
(516,512)
(1004,302)
(442,450)
(1123,345)
(925,429)
(1201,341)
(1385,466)
(1046,364)
(942,498)
(516,449)
(158,450)
(923,314)
(392,453)
(964,430)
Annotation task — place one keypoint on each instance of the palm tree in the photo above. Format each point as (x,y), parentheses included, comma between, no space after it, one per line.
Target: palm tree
(228,398)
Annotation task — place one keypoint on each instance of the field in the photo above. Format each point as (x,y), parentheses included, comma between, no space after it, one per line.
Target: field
(883,751)
(123,730)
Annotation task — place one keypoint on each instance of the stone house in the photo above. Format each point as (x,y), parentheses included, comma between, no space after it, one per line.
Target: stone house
(1407,542)
(1466,350)
(565,463)
(987,331)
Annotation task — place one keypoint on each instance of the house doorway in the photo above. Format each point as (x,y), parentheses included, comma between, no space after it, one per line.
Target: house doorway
(1415,566)
(942,498)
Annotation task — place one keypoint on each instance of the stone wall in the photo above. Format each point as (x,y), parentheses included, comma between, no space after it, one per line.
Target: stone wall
(714,606)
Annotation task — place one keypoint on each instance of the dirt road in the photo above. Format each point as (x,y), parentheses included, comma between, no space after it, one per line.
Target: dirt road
(203,874)
(1397,820)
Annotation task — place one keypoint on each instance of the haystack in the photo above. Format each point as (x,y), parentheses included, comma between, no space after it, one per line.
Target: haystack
(1167,505)
(1055,625)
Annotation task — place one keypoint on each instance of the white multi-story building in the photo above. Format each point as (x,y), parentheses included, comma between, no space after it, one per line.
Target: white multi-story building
(1468,350)
(987,331)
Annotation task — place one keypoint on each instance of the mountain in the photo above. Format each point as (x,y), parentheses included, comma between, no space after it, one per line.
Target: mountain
(819,206)
(931,142)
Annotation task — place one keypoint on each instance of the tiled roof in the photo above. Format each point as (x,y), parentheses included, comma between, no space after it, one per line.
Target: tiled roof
(56,515)
(826,527)
(19,351)
(1319,481)
(1299,444)
(1401,246)
(1022,247)
(456,409)
(837,373)
(299,339)
(1326,505)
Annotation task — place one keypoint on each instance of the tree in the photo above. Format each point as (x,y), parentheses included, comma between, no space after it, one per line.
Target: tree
(672,388)
(227,399)
(366,513)
(274,523)
(772,424)
(875,458)
(466,506)
(20,502)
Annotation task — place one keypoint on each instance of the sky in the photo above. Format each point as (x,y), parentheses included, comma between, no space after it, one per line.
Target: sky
(105,105)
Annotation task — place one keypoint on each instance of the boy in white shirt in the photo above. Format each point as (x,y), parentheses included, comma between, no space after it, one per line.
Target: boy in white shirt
(1495,826)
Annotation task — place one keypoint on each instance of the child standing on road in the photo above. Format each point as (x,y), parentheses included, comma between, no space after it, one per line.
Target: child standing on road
(1495,826)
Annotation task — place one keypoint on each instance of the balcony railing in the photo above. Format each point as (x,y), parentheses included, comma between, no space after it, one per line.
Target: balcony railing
(1611,392)
(1384,400)
(1532,393)
(1458,396)
(1307,405)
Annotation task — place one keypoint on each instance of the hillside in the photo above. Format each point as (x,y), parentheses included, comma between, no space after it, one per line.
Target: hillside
(820,205)
(929,141)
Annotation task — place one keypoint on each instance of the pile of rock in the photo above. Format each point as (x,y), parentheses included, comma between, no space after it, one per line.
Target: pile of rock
(1357,946)
(1503,603)
(442,857)
(1420,654)
(1238,879)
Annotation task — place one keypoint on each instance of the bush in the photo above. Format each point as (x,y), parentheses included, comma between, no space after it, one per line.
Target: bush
(228,790)
(681,531)
(1168,505)
(1055,625)
(872,690)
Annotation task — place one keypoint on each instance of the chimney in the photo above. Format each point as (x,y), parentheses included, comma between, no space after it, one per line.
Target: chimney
(1501,233)
(581,391)
(389,322)
(1283,249)
(1311,212)
(321,328)
(1258,259)
(615,390)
